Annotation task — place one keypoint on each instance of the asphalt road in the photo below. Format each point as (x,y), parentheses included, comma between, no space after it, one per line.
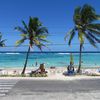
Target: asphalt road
(54,90)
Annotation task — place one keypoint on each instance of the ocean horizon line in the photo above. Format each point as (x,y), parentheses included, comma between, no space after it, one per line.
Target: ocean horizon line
(50,52)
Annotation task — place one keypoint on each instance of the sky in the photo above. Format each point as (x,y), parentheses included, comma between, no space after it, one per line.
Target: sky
(56,15)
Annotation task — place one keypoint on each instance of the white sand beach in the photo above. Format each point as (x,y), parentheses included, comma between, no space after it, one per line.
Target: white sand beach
(53,74)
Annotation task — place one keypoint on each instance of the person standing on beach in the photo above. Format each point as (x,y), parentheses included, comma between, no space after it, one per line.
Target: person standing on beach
(36,63)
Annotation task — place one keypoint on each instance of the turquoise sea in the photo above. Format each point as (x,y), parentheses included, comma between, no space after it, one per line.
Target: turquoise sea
(11,60)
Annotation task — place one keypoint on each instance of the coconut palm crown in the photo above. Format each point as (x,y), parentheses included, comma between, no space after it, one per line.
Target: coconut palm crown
(35,33)
(87,27)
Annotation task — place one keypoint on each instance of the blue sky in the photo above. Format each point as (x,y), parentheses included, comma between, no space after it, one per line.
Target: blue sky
(56,15)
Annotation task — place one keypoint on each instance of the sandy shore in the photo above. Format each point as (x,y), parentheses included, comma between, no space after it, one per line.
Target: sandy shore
(57,77)
(53,74)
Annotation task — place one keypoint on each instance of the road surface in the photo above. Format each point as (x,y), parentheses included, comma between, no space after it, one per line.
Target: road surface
(50,90)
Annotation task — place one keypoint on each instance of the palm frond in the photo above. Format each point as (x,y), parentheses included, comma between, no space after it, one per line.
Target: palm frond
(94,26)
(20,29)
(90,39)
(77,16)
(39,45)
(42,45)
(41,36)
(24,35)
(2,44)
(94,37)
(25,26)
(94,31)
(69,33)
(98,17)
(71,37)
(88,14)
(2,41)
(36,41)
(19,42)
(42,30)
(34,23)
(44,40)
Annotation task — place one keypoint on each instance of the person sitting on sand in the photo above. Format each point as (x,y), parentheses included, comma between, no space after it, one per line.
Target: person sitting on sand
(70,69)
(40,70)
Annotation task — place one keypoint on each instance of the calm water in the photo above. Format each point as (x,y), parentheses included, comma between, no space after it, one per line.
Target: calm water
(50,59)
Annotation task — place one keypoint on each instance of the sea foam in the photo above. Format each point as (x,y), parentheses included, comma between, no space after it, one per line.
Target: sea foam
(64,53)
(12,53)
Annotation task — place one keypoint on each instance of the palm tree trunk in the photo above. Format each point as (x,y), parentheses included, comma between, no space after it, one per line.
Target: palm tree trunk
(26,61)
(80,58)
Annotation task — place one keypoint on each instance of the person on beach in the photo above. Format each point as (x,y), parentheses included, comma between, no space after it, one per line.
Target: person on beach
(70,69)
(40,70)
(36,63)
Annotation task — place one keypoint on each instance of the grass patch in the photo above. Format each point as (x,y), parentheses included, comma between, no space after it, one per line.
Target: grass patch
(93,74)
(33,75)
(13,76)
(38,75)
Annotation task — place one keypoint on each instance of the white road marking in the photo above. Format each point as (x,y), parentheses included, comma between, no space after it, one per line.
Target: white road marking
(2,94)
(4,91)
(6,86)
(10,83)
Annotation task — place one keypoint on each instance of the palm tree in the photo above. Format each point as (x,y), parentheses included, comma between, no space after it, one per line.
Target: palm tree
(71,59)
(35,33)
(86,27)
(2,44)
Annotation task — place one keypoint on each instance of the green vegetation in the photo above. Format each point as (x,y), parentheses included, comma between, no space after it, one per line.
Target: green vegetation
(38,75)
(13,75)
(35,33)
(23,75)
(93,74)
(86,27)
